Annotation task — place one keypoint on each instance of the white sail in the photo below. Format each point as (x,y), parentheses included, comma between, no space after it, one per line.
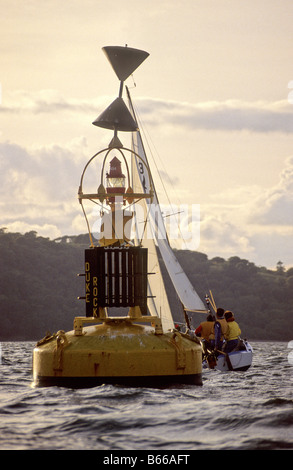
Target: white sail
(158,303)
(185,291)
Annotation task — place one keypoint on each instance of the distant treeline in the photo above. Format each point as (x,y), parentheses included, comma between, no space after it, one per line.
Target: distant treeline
(39,287)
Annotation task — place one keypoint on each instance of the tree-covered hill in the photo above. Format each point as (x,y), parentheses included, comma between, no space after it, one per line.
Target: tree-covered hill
(39,287)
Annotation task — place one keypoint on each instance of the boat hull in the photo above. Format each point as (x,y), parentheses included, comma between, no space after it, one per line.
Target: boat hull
(236,361)
(117,353)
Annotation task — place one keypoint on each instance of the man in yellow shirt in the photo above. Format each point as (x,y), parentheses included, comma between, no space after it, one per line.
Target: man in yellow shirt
(206,328)
(233,332)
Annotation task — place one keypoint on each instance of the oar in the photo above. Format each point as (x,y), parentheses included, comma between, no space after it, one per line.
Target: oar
(230,367)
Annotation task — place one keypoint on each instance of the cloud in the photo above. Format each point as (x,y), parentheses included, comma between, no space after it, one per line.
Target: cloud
(39,187)
(49,101)
(231,115)
(251,222)
(46,230)
(274,206)
(220,236)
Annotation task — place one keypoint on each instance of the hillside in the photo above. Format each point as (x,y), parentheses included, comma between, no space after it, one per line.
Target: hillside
(39,287)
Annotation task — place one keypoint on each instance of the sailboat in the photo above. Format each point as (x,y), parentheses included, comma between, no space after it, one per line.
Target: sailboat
(127,335)
(238,359)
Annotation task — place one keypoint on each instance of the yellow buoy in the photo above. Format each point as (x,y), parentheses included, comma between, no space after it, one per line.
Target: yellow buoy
(117,351)
(142,347)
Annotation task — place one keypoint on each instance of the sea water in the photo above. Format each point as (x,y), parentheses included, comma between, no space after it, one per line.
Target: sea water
(250,410)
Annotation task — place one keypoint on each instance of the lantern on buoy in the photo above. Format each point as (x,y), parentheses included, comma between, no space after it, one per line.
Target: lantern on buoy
(115,178)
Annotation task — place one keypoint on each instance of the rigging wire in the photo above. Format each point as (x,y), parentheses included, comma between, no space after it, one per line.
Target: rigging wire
(145,133)
(88,225)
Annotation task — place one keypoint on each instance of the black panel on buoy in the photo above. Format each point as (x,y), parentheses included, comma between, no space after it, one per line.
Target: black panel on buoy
(115,277)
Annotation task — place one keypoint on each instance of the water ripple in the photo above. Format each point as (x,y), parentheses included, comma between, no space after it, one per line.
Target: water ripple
(239,411)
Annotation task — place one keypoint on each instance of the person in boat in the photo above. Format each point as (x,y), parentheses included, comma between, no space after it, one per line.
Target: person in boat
(205,329)
(233,333)
(220,330)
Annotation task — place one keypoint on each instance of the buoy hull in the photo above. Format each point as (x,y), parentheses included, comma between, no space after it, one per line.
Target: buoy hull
(117,353)
(137,381)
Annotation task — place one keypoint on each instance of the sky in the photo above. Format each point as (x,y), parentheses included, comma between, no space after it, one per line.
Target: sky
(215,97)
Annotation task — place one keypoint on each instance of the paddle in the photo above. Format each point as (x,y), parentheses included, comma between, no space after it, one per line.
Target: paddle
(229,364)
